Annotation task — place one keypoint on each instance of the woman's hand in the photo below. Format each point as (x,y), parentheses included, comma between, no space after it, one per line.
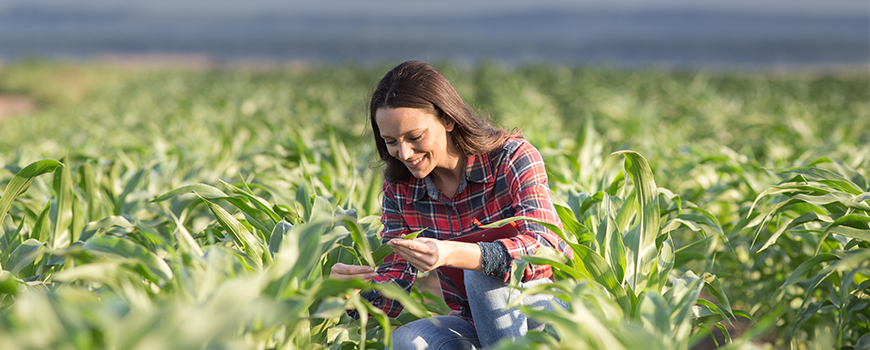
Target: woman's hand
(341,271)
(427,254)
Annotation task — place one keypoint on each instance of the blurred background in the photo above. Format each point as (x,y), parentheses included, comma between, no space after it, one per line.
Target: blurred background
(681,33)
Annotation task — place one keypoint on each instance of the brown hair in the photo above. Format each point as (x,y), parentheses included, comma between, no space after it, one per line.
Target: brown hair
(415,84)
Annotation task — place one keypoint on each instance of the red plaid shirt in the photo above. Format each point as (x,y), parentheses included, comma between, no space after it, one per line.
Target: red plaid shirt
(506,183)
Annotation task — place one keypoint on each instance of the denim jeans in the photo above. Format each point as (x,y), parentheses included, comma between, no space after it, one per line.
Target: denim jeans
(488,298)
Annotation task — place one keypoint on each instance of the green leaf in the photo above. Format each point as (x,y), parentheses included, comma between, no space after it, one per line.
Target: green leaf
(258,218)
(792,223)
(263,205)
(304,198)
(321,209)
(150,265)
(392,291)
(62,210)
(715,288)
(554,258)
(21,182)
(555,229)
(301,247)
(590,201)
(666,260)
(186,243)
(683,296)
(23,256)
(655,313)
(360,242)
(9,284)
(863,342)
(838,227)
(829,177)
(129,188)
(78,220)
(617,184)
(41,230)
(640,240)
(112,221)
(590,264)
(570,223)
(281,230)
(613,247)
(243,238)
(91,191)
(413,235)
(205,191)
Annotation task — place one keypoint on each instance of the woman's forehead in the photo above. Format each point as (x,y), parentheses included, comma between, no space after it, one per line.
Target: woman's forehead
(400,121)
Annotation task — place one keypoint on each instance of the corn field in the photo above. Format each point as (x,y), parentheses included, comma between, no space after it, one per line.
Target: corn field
(203,209)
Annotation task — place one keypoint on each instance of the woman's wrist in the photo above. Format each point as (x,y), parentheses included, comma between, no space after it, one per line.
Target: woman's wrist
(495,261)
(463,255)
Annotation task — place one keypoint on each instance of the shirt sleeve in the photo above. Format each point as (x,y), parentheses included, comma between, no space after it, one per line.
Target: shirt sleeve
(527,178)
(395,269)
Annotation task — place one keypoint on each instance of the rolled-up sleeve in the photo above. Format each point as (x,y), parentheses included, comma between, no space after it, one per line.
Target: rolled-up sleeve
(527,178)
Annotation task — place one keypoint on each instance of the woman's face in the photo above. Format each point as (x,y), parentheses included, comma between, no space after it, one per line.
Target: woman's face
(418,139)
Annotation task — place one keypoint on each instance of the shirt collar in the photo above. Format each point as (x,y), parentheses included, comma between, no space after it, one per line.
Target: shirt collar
(477,169)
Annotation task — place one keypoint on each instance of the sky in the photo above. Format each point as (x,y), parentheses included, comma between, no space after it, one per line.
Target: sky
(235,8)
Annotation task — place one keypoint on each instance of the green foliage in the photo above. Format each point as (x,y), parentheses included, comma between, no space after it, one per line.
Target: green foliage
(204,209)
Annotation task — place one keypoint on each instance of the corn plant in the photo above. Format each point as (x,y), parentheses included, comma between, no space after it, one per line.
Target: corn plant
(183,207)
(825,214)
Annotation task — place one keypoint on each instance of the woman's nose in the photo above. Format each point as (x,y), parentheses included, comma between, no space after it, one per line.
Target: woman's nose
(404,150)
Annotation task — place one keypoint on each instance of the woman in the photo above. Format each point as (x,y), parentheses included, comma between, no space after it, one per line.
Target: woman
(444,170)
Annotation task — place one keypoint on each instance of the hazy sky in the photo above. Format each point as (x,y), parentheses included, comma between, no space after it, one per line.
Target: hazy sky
(400,7)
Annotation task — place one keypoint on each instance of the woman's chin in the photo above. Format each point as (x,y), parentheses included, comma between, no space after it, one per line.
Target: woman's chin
(418,173)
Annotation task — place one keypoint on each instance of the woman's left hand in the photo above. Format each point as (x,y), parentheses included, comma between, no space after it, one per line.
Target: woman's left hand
(426,254)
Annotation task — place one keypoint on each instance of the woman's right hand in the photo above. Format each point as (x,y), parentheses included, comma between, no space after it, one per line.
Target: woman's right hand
(345,272)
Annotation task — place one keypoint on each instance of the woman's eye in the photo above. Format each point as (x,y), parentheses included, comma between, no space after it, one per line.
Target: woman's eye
(390,142)
(415,138)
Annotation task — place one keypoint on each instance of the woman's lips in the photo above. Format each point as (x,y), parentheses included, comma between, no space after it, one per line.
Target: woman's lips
(415,163)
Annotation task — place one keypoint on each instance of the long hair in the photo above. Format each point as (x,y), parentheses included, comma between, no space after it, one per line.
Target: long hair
(415,84)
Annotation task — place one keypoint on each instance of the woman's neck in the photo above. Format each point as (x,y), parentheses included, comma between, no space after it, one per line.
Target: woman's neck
(447,178)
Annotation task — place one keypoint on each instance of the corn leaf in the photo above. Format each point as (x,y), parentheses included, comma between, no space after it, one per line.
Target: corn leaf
(21,182)
(640,240)
(152,267)
(23,256)
(243,238)
(203,190)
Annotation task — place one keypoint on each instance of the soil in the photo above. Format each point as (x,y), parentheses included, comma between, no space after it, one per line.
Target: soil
(15,105)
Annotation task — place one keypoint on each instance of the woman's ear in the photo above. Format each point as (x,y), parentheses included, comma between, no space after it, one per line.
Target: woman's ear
(449,124)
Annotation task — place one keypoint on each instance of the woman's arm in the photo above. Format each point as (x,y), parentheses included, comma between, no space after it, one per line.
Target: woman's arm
(527,178)
(427,254)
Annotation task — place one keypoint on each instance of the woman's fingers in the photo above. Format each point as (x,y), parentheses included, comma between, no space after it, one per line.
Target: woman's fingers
(423,253)
(346,272)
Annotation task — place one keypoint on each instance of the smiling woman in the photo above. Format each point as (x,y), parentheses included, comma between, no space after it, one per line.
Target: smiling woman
(447,170)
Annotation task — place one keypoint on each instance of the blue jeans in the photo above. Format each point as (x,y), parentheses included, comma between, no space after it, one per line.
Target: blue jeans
(488,298)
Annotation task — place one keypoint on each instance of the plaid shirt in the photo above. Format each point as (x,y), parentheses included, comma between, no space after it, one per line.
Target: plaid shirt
(508,182)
